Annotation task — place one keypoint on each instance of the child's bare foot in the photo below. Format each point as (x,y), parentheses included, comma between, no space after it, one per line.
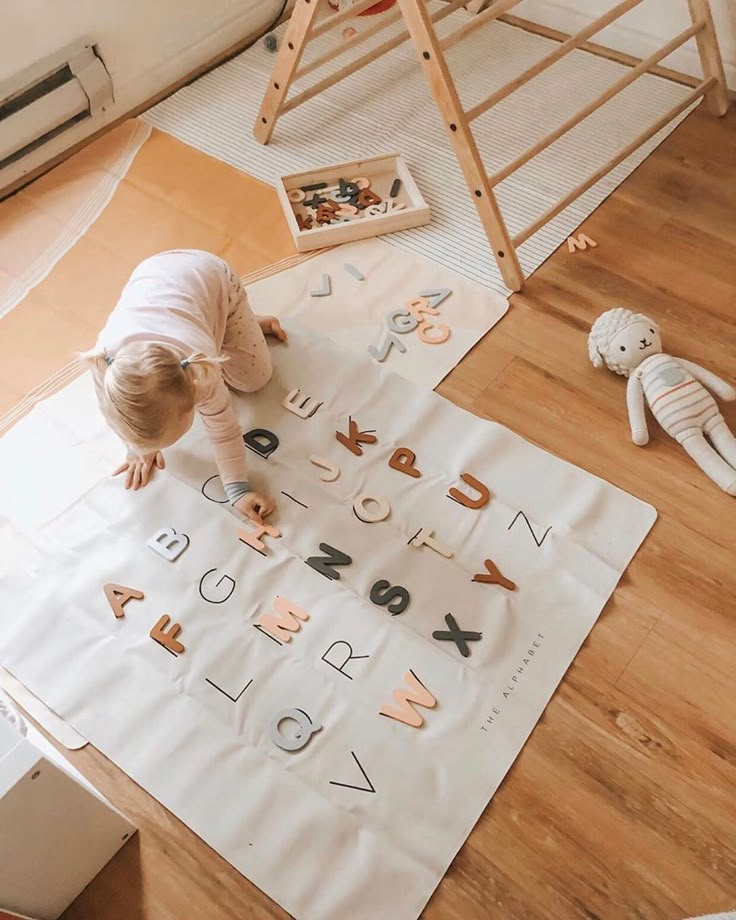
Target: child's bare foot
(271,326)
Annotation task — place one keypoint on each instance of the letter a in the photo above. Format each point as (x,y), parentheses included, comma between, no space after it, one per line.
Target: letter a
(355,438)
(118,596)
(286,620)
(417,693)
(466,500)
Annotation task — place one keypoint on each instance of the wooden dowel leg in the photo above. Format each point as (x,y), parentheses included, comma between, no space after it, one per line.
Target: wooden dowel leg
(287,63)
(466,150)
(710,57)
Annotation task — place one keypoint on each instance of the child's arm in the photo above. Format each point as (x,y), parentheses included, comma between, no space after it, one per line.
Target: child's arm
(637,412)
(221,425)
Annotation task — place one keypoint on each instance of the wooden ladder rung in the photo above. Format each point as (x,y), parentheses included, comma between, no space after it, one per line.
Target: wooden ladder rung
(332,20)
(641,68)
(548,60)
(349,44)
(493,12)
(367,58)
(700,90)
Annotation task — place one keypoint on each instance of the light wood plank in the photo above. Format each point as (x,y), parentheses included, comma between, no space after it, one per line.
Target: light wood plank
(602,171)
(575,41)
(710,56)
(466,150)
(287,63)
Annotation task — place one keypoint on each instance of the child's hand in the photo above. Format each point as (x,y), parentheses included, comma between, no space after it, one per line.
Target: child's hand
(271,326)
(255,506)
(138,469)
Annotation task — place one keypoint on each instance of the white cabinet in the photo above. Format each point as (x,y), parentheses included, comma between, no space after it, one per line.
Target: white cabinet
(56,830)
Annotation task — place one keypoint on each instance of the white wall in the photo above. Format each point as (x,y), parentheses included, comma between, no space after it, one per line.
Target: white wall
(146,44)
(642,30)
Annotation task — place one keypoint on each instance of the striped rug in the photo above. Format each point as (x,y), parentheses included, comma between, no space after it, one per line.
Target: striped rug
(387,106)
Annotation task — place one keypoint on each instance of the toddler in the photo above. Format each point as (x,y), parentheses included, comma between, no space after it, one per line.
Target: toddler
(180,335)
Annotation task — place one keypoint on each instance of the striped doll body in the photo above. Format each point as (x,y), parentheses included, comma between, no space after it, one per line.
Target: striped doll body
(678,401)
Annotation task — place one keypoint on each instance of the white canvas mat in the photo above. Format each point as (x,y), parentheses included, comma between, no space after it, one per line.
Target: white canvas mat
(355,313)
(363,821)
(387,106)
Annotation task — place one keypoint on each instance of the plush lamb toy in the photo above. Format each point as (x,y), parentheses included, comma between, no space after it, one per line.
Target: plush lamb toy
(674,389)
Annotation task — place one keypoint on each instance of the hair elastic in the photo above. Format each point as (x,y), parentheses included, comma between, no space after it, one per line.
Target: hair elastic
(184,363)
(108,360)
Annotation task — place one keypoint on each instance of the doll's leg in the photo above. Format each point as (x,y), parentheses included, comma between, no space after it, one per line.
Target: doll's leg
(710,462)
(722,438)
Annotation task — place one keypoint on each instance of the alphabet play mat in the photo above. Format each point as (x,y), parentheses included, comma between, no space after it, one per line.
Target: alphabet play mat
(330,701)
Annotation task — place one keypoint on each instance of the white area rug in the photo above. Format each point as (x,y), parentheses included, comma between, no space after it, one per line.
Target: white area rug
(44,220)
(355,312)
(387,106)
(363,819)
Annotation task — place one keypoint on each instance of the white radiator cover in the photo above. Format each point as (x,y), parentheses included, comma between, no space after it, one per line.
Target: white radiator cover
(46,105)
(146,47)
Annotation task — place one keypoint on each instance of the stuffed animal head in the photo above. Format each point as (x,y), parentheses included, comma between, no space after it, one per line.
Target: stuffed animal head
(622,340)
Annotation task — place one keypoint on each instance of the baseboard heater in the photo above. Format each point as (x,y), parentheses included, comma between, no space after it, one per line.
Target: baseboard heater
(50,97)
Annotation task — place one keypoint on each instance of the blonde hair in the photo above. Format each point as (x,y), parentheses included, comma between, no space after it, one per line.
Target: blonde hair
(145,387)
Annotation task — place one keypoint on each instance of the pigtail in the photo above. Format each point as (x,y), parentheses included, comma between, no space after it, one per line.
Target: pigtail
(96,359)
(200,359)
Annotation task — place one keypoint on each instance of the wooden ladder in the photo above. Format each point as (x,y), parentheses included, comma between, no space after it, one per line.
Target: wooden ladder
(419,26)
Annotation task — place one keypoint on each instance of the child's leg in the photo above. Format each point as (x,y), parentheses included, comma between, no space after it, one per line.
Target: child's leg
(249,367)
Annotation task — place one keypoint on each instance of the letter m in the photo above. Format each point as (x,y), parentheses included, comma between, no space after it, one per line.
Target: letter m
(285,621)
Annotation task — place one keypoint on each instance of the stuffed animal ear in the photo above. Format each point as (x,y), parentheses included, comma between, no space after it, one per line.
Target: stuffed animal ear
(596,358)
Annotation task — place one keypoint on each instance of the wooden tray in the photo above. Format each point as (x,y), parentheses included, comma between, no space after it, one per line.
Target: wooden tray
(406,209)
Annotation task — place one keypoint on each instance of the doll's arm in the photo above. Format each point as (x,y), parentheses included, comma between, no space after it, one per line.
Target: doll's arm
(637,416)
(710,380)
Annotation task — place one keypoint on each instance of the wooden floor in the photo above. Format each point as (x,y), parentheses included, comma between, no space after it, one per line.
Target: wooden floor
(623,802)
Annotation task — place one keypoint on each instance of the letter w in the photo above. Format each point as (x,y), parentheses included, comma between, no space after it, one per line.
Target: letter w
(405,712)
(285,621)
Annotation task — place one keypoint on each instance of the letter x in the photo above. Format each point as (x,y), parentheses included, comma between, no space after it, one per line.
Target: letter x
(460,637)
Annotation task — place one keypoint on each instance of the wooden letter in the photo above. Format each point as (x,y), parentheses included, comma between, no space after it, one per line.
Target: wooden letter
(261,440)
(325,564)
(494,577)
(253,538)
(380,354)
(582,243)
(396,597)
(333,471)
(421,305)
(118,596)
(417,693)
(402,459)
(167,639)
(303,408)
(371,516)
(168,543)
(442,333)
(286,620)
(425,538)
(355,438)
(466,500)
